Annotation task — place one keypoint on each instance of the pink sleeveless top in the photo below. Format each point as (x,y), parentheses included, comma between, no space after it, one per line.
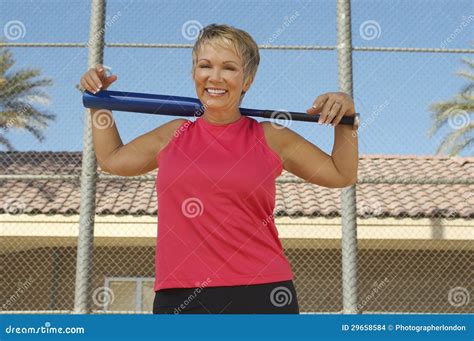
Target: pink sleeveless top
(216,195)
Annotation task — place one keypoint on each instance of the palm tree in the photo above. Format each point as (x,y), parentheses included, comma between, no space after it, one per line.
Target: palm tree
(456,112)
(19,92)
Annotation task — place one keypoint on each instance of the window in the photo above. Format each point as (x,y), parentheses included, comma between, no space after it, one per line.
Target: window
(129,294)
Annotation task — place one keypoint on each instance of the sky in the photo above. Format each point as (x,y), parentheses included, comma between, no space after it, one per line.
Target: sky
(392,91)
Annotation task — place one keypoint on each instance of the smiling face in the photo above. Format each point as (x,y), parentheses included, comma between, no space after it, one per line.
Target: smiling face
(219,76)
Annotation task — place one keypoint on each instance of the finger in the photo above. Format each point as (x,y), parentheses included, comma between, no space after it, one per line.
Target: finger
(325,111)
(333,112)
(83,85)
(101,71)
(108,81)
(339,117)
(97,82)
(90,86)
(111,79)
(318,104)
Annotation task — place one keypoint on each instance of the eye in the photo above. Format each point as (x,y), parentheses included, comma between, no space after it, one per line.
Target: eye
(204,66)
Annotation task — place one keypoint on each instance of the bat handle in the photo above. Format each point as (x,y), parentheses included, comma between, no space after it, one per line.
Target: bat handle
(353,121)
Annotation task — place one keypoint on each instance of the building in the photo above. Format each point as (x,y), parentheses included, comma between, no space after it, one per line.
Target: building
(415,240)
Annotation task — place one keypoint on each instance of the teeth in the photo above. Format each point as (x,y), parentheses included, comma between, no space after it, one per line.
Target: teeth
(213,91)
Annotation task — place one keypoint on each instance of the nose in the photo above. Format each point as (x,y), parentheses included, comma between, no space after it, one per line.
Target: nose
(215,75)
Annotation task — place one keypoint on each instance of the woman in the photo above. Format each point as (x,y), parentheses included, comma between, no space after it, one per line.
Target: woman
(217,249)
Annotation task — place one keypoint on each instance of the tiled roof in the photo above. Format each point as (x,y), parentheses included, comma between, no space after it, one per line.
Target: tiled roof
(294,196)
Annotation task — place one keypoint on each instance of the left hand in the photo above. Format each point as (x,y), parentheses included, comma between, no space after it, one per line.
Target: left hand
(333,106)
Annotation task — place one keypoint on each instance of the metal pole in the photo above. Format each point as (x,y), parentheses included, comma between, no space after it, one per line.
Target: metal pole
(85,241)
(348,194)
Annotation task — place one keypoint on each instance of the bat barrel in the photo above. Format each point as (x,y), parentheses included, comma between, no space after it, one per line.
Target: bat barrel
(145,103)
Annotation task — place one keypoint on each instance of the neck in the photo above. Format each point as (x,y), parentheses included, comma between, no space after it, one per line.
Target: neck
(221,118)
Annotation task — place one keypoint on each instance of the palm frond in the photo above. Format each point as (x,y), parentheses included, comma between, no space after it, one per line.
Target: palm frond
(463,145)
(468,62)
(35,131)
(19,92)
(20,86)
(6,60)
(451,141)
(468,89)
(442,111)
(466,74)
(5,143)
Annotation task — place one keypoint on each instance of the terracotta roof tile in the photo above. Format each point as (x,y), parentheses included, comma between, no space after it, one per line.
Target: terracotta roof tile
(294,197)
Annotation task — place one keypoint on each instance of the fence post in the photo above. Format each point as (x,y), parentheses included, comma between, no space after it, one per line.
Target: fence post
(348,194)
(85,242)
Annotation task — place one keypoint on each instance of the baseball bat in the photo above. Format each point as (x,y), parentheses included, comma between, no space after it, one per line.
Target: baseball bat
(184,106)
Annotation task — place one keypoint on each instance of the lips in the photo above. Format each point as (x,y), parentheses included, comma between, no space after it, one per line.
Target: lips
(215,92)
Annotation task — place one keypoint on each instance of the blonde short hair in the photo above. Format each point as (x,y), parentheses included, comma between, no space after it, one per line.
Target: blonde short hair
(244,45)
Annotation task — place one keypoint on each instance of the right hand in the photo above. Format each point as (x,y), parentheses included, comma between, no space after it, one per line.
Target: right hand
(95,79)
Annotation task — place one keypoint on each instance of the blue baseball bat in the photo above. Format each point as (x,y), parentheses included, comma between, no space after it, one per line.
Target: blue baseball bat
(183,106)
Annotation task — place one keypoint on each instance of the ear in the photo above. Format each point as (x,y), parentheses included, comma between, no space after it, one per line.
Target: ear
(247,84)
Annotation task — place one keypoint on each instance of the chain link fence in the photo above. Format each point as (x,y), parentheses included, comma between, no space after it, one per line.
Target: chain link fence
(75,239)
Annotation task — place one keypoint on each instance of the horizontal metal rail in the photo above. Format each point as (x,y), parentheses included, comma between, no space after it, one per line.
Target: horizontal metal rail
(365,180)
(263,47)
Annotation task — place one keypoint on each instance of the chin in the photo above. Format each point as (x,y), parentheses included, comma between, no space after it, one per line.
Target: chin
(214,107)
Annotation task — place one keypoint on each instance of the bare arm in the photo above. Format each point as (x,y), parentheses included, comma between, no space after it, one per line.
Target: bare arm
(139,155)
(345,152)
(104,134)
(134,158)
(304,159)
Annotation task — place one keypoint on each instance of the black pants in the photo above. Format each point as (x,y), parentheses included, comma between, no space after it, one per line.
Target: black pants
(268,298)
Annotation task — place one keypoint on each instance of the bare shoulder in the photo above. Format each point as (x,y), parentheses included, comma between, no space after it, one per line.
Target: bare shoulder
(282,140)
(166,131)
(139,155)
(274,136)
(157,139)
